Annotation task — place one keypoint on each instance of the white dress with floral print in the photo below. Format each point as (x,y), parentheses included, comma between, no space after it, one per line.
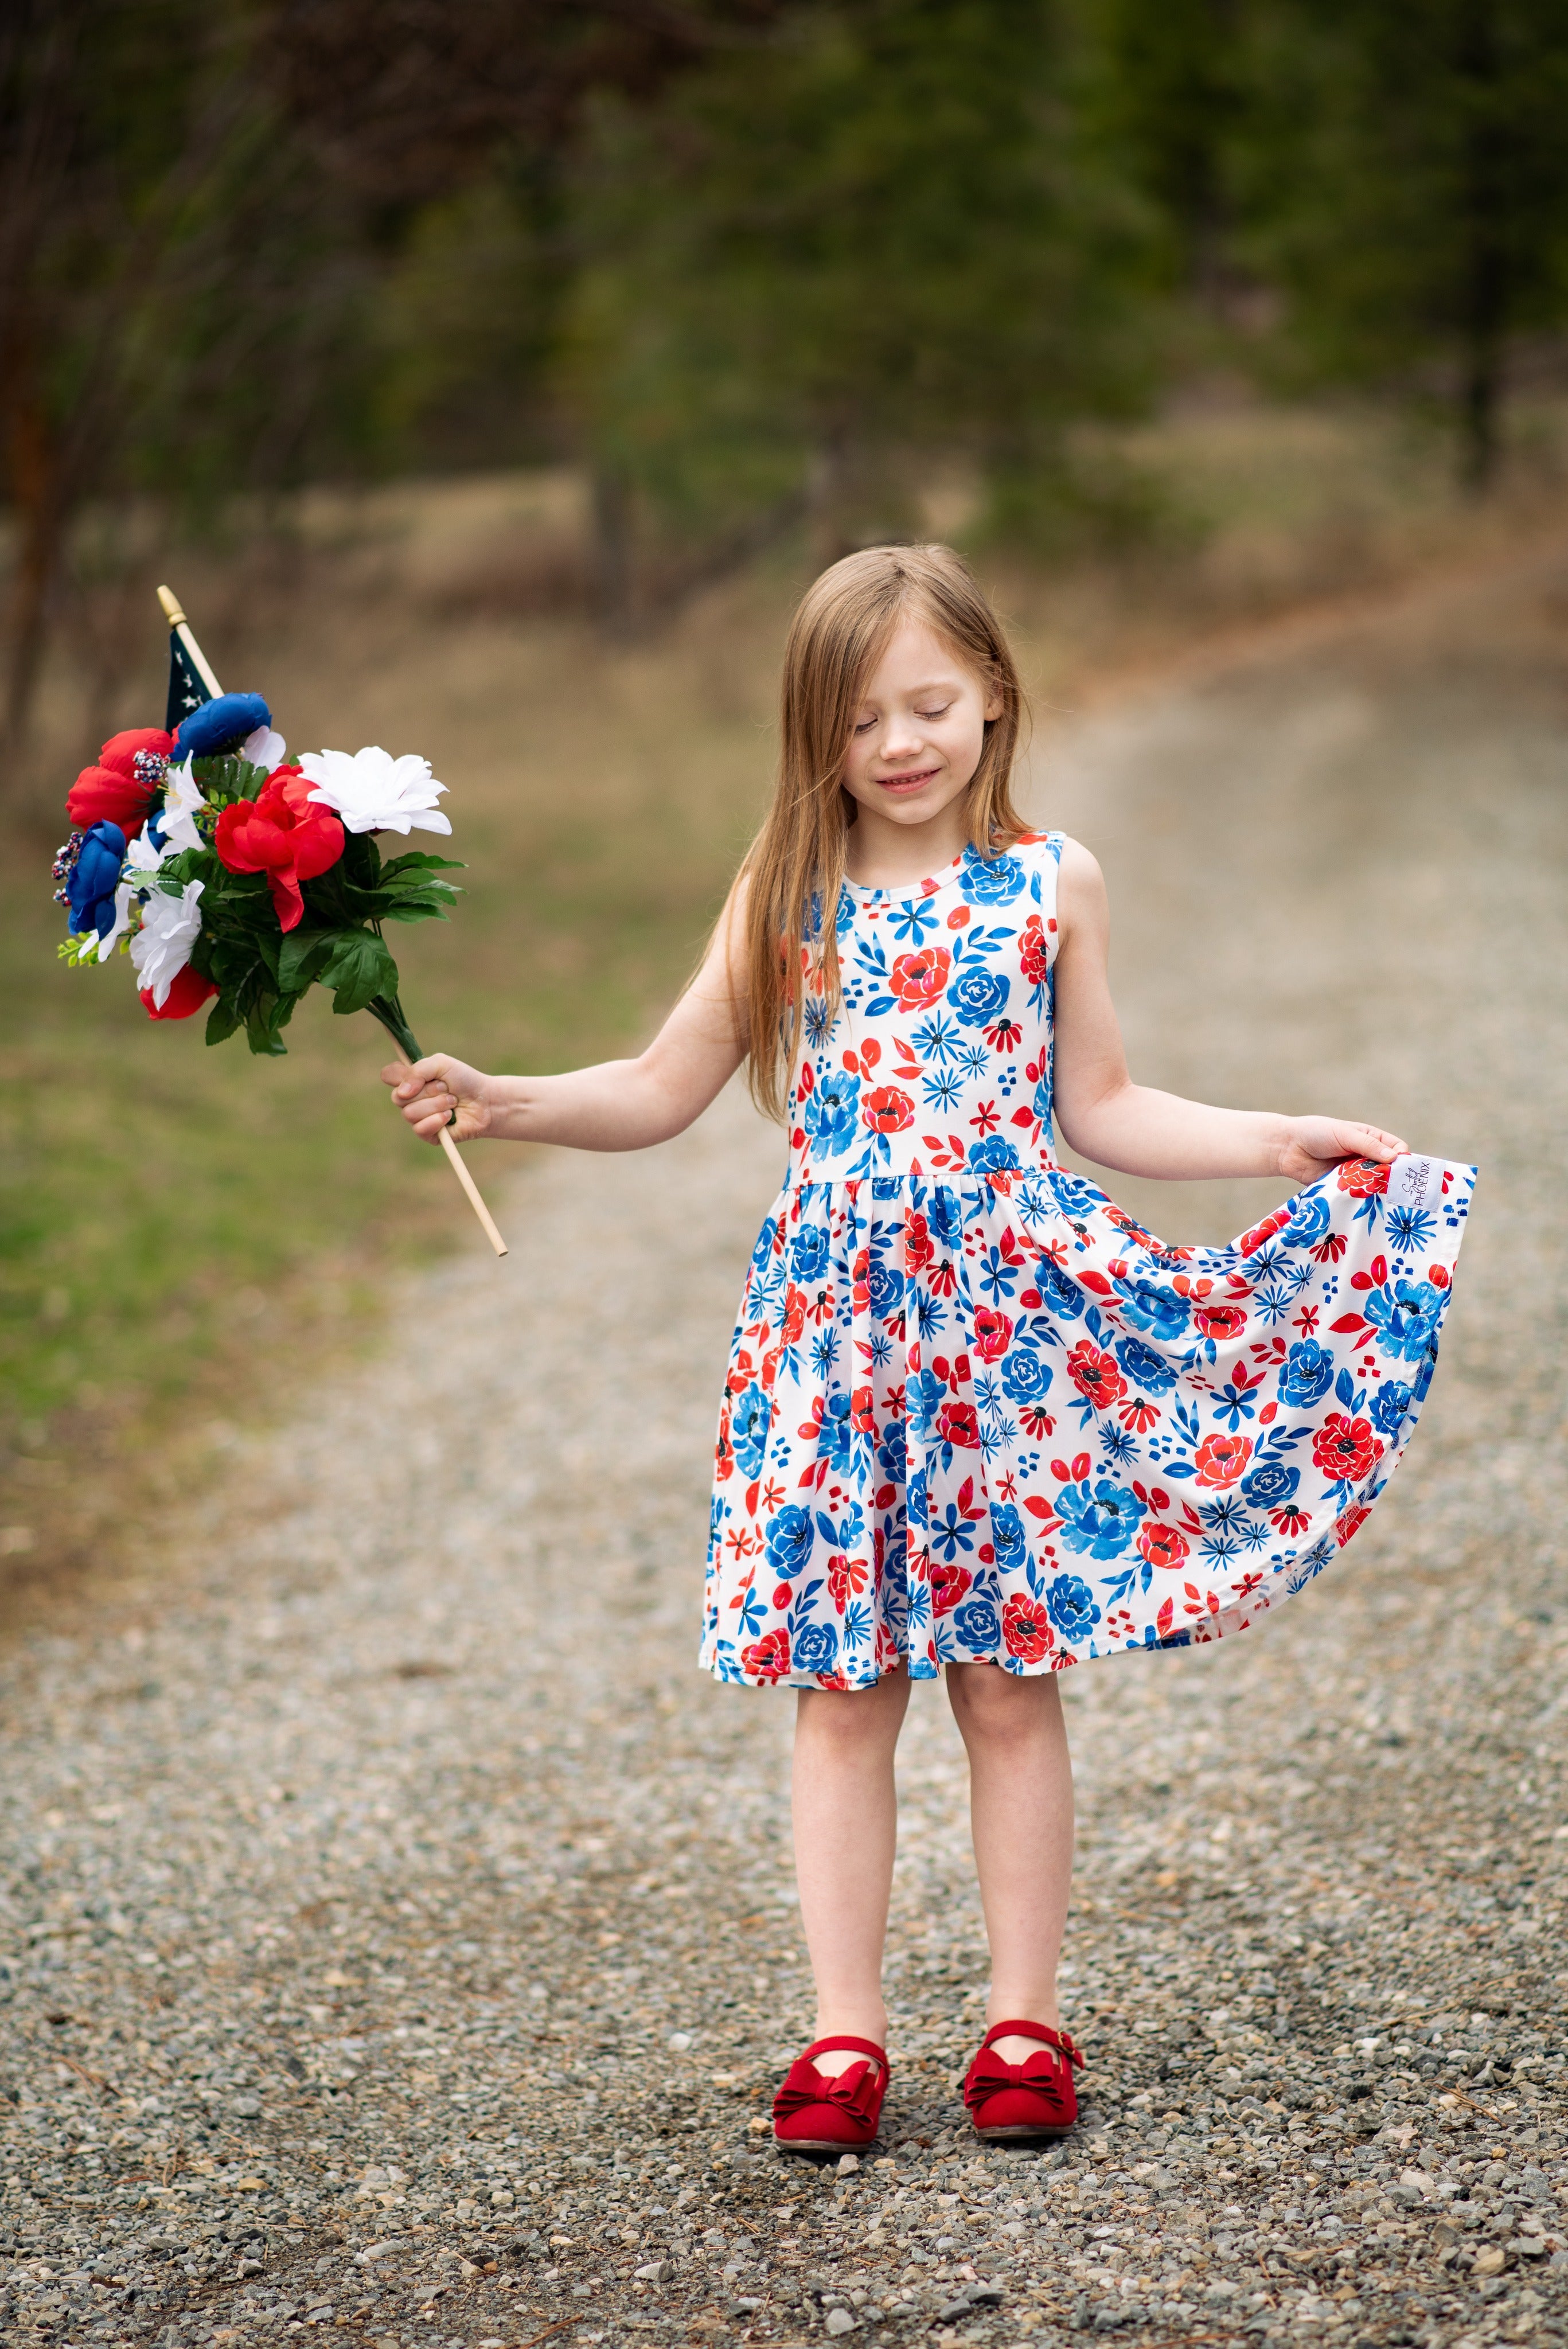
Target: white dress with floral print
(974,1412)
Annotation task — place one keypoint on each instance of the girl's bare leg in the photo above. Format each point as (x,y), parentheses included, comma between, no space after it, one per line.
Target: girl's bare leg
(845,1831)
(1021,1806)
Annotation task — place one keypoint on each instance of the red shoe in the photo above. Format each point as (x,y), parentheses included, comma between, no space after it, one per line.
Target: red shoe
(1034,2098)
(819,2111)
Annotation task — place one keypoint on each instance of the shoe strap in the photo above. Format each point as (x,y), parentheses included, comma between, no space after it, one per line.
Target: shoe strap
(1042,2031)
(856,2047)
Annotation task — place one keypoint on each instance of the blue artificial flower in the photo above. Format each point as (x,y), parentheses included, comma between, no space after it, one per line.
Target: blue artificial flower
(977,1625)
(789,1542)
(1307,1374)
(1408,1318)
(1025,1375)
(1270,1487)
(885,1286)
(220,726)
(991,880)
(1099,1519)
(94,879)
(1144,1366)
(1389,1405)
(1150,1306)
(808,1253)
(814,1648)
(989,1157)
(829,1116)
(1007,1538)
(748,1424)
(979,997)
(1070,1604)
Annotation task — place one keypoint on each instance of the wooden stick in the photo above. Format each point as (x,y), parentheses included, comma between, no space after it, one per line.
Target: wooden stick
(177,621)
(463,1177)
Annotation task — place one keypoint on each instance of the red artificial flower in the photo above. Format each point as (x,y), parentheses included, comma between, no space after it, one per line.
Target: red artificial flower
(1161,1545)
(1345,1447)
(280,833)
(1096,1375)
(768,1657)
(992,1332)
(957,1424)
(917,979)
(110,792)
(188,991)
(1026,1628)
(887,1111)
(1362,1177)
(1220,1460)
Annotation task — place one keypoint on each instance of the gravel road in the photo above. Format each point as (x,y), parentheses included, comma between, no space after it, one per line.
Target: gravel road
(397,1932)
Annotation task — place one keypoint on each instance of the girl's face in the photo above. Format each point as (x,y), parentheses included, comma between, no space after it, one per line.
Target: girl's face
(920,730)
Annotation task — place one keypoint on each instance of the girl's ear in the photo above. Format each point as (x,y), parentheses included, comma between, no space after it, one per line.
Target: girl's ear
(993,701)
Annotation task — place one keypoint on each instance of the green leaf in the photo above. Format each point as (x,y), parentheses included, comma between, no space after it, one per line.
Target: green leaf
(302,957)
(359,968)
(222,1020)
(223,780)
(416,859)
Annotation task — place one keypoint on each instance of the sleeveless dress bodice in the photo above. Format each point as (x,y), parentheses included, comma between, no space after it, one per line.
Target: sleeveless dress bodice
(974,1412)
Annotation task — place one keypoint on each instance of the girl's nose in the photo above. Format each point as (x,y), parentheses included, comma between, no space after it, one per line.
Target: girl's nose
(901,738)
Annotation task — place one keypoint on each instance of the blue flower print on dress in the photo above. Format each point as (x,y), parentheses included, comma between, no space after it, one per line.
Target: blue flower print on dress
(831,1118)
(977,1624)
(991,880)
(1099,1519)
(748,1424)
(1407,1319)
(1307,1374)
(1389,1404)
(1070,1604)
(979,997)
(936,1310)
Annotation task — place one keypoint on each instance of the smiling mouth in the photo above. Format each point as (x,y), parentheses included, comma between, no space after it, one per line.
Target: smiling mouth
(908,783)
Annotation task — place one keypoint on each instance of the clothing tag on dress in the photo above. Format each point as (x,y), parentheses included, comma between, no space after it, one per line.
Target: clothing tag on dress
(1415,1183)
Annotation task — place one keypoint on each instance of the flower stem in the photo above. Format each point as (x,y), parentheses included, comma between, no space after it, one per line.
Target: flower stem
(390,1012)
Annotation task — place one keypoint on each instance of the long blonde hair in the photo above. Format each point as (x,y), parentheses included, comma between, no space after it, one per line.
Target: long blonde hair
(795,869)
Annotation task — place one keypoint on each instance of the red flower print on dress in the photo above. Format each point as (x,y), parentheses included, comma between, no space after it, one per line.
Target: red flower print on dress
(992,1332)
(948,1585)
(1345,1447)
(1026,1628)
(1034,951)
(768,1658)
(957,1424)
(846,1579)
(1162,1545)
(1364,1178)
(1350,1523)
(1221,1321)
(888,1110)
(918,1245)
(1096,1375)
(1221,1460)
(917,979)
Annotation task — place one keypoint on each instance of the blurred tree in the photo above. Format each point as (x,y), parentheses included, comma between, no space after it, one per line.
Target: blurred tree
(884,240)
(1173,89)
(178,292)
(1410,189)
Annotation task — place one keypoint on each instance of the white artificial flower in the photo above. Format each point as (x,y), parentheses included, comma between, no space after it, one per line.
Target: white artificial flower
(181,802)
(122,923)
(265,748)
(373,792)
(170,929)
(142,858)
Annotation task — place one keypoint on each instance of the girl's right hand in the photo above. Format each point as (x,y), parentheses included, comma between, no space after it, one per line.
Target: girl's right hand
(433,1089)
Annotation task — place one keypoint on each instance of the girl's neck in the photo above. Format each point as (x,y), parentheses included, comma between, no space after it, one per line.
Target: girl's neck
(883,856)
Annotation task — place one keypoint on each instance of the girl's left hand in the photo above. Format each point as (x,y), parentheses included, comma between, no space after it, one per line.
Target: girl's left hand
(1314,1145)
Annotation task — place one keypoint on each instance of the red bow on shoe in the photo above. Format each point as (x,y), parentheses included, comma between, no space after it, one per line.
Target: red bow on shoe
(1037,2096)
(855,2092)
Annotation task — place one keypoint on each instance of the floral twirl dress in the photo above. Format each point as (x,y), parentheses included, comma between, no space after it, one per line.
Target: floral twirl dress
(974,1412)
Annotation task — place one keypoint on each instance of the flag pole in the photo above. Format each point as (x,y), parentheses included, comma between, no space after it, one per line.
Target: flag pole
(181,626)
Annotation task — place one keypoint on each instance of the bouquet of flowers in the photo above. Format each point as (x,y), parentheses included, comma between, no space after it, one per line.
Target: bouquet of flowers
(237,877)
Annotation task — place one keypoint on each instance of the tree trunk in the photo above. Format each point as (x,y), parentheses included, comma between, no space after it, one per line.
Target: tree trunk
(1485,290)
(35,484)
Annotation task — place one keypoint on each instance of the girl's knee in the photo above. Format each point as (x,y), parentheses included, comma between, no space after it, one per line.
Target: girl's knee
(989,1703)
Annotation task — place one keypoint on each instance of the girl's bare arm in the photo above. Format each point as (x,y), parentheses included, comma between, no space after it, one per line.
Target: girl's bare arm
(1137,1129)
(617,1105)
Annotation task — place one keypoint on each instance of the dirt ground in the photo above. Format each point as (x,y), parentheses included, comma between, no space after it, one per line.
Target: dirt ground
(397,1932)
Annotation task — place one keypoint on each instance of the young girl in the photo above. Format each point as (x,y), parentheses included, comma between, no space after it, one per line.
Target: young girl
(975,1416)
